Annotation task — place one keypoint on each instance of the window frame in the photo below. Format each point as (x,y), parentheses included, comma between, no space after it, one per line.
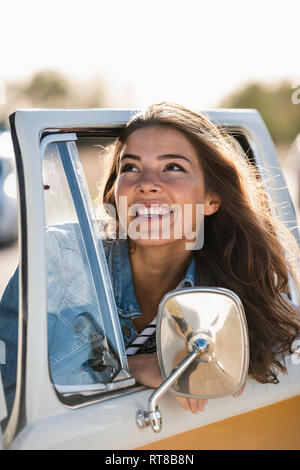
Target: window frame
(73,170)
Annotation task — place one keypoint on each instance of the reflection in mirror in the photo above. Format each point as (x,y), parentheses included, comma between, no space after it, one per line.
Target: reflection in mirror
(214,315)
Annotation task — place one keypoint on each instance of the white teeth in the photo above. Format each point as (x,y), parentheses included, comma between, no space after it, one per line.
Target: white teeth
(148,211)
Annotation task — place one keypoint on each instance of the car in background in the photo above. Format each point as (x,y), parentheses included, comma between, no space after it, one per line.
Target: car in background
(8,191)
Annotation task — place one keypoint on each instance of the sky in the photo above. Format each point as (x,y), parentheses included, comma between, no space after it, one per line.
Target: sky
(191,51)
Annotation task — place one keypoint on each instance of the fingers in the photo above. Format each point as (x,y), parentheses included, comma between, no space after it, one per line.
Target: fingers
(191,404)
(197,405)
(183,402)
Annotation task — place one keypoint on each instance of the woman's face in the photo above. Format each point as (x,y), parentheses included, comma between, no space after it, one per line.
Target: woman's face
(160,187)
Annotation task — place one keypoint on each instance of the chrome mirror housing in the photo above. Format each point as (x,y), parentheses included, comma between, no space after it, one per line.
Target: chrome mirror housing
(203,347)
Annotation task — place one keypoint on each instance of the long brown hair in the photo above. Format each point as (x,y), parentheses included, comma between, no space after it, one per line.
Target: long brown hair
(241,248)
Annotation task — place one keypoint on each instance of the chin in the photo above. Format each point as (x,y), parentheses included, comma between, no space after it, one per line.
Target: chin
(150,242)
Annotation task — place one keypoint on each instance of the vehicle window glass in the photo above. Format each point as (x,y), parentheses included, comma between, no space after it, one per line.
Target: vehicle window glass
(252,156)
(83,356)
(96,163)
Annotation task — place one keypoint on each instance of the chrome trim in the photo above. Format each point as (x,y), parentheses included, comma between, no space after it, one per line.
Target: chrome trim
(153,417)
(88,389)
(94,247)
(109,396)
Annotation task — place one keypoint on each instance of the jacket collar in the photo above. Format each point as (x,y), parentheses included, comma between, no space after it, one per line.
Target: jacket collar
(121,275)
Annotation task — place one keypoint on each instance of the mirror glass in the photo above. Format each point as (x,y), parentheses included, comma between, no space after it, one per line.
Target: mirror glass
(216,315)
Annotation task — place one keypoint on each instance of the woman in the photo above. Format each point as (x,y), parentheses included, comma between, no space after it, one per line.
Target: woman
(169,156)
(168,163)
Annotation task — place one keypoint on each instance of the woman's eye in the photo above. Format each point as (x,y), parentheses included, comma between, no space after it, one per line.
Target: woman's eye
(128,167)
(174,167)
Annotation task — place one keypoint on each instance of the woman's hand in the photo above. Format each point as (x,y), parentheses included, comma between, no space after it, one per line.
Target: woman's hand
(145,370)
(191,404)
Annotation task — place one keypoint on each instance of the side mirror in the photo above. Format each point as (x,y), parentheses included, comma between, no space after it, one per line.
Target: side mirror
(203,347)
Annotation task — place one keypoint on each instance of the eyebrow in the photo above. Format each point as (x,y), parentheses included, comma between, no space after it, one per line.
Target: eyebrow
(167,156)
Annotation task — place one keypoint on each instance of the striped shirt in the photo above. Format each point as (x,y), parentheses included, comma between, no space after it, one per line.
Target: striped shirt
(144,342)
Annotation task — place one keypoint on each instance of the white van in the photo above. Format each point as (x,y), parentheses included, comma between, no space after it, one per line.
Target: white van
(117,414)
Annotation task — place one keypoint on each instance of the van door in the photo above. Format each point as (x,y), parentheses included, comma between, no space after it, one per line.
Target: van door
(3,410)
(60,411)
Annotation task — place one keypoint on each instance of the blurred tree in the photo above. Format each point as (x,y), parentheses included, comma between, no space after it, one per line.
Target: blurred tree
(275,105)
(51,89)
(47,88)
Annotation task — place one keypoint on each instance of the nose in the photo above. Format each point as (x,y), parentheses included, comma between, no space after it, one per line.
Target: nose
(148,183)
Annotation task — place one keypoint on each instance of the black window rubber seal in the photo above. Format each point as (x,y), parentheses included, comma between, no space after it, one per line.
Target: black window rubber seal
(18,422)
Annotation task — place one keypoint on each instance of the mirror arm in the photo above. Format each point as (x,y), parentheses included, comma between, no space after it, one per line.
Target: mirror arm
(153,417)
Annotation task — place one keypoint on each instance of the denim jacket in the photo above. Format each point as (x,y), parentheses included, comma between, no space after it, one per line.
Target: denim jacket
(74,322)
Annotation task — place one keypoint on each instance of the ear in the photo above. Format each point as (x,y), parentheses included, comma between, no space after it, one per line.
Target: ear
(211,204)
